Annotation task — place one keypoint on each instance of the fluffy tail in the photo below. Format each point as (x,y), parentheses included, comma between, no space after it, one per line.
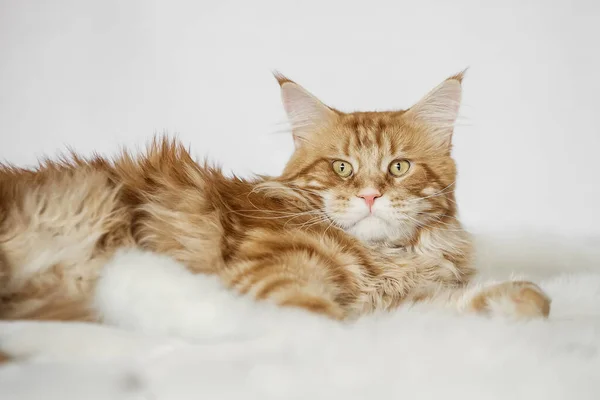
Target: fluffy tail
(155,294)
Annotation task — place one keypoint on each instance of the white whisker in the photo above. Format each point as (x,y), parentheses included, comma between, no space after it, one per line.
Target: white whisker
(439,193)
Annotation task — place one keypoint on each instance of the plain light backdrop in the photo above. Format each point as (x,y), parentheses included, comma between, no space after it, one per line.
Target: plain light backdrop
(96,75)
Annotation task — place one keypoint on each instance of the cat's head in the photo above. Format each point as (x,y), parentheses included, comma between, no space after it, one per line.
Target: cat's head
(382,175)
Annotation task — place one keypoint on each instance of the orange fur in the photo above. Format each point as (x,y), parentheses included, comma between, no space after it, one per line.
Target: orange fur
(278,239)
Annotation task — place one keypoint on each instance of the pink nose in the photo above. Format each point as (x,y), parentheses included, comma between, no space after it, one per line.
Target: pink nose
(369,197)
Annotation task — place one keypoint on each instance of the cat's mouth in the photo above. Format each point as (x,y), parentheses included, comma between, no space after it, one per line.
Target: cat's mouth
(367,218)
(372,228)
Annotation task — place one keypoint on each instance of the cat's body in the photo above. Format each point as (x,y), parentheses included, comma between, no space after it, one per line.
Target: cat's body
(363,218)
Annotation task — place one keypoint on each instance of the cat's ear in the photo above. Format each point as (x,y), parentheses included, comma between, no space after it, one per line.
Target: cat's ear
(438,110)
(305,112)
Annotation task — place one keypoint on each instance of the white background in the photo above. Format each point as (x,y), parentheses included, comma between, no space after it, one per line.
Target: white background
(95,75)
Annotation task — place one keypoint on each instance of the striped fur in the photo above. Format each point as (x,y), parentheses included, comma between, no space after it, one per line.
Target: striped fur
(296,240)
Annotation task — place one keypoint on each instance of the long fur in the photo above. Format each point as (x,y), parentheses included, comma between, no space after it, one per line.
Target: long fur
(303,239)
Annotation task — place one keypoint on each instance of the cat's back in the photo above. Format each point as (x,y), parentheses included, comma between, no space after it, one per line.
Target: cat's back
(55,184)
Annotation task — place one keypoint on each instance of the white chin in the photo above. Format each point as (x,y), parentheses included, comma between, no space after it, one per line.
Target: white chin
(372,229)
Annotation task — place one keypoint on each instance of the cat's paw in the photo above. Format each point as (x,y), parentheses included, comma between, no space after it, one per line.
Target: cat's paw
(513,299)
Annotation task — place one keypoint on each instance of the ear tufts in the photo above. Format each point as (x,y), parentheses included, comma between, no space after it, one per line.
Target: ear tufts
(460,76)
(281,79)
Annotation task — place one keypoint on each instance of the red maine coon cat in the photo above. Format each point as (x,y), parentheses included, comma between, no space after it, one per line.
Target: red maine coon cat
(363,218)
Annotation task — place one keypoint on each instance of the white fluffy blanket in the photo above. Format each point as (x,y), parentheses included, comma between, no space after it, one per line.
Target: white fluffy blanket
(416,353)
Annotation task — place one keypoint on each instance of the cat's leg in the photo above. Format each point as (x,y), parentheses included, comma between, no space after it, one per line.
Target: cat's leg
(297,269)
(422,279)
(512,299)
(290,280)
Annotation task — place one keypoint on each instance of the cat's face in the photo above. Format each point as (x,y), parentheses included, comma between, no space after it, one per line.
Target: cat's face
(382,175)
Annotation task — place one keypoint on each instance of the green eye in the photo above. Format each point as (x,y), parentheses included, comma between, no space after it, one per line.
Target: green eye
(399,167)
(342,168)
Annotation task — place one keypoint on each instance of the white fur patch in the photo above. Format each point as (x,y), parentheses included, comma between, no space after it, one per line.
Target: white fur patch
(155,294)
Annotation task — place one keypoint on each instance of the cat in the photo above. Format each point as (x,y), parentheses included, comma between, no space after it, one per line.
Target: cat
(362,219)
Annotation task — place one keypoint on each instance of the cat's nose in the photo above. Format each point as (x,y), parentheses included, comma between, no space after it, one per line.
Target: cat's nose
(369,196)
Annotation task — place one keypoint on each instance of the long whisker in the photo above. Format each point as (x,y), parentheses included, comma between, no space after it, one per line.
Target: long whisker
(423,225)
(297,189)
(438,193)
(331,224)
(281,188)
(313,222)
(438,219)
(293,188)
(265,217)
(284,213)
(318,215)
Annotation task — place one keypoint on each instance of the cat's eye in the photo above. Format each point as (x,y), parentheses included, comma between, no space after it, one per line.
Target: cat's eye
(399,167)
(342,168)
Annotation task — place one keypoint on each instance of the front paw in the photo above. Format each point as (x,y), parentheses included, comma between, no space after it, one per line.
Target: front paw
(513,299)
